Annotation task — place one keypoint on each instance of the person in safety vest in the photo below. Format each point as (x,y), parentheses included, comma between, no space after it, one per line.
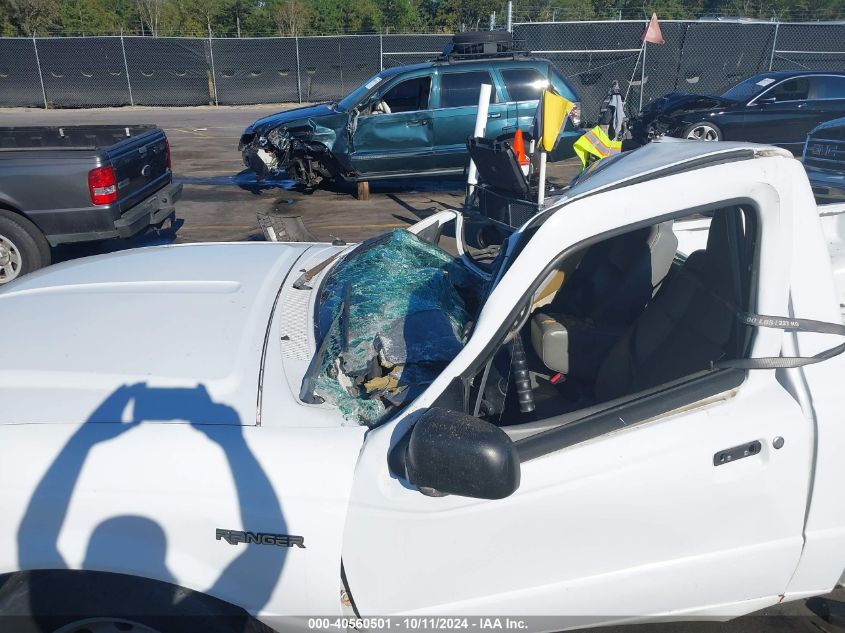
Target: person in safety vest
(595,145)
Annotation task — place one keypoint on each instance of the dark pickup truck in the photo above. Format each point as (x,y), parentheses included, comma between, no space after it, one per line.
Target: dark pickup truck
(79,184)
(824,161)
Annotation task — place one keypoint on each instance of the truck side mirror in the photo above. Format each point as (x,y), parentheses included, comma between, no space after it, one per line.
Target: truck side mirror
(453,453)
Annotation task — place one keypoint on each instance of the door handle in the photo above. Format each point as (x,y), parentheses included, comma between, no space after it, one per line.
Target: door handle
(418,122)
(729,455)
(495,115)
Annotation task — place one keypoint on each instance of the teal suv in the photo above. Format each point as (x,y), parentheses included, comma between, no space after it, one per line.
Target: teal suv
(407,121)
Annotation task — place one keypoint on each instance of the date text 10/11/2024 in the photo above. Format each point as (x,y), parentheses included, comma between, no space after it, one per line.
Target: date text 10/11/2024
(431,623)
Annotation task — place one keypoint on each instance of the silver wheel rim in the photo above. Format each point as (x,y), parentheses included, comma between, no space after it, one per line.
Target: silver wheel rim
(10,260)
(703,132)
(105,625)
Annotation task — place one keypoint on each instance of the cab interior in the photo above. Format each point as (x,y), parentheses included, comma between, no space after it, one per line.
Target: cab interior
(621,316)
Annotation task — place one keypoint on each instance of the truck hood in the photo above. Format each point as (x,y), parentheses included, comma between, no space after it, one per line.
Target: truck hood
(267,123)
(191,317)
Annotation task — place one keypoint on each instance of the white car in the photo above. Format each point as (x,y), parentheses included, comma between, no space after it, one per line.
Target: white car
(584,426)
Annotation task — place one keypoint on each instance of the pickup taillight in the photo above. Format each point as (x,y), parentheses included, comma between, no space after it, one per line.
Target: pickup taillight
(167,155)
(102,183)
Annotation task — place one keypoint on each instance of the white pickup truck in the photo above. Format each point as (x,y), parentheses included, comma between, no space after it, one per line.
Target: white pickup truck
(593,422)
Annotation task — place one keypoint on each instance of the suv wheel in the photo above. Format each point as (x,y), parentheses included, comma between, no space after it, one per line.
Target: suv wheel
(23,247)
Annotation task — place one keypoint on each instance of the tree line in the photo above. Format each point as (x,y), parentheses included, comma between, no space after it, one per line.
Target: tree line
(246,18)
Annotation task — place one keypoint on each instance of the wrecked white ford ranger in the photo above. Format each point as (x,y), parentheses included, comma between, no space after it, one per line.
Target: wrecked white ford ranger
(630,410)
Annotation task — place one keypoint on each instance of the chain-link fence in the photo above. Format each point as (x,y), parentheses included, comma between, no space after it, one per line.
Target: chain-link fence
(401,50)
(704,57)
(700,57)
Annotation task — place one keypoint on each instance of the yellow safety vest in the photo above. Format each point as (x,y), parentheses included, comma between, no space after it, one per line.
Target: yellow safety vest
(595,143)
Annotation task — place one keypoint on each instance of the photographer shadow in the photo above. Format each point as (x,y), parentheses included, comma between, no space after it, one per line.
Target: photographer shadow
(124,544)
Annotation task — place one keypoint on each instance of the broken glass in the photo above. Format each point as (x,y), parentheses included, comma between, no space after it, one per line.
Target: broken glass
(391,316)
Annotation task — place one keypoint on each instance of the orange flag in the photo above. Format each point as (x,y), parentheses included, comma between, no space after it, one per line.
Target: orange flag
(519,148)
(652,33)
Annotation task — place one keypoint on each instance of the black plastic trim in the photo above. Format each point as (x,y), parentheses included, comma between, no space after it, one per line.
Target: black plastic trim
(730,455)
(391,175)
(645,407)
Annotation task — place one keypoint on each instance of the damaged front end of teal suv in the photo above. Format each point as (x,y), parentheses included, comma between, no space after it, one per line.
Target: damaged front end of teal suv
(303,142)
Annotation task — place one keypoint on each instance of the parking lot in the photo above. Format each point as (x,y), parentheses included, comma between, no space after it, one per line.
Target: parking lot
(220,199)
(220,202)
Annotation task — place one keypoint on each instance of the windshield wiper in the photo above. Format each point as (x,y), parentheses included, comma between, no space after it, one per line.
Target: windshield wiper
(301,282)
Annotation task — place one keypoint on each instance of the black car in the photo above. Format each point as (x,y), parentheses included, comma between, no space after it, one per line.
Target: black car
(776,108)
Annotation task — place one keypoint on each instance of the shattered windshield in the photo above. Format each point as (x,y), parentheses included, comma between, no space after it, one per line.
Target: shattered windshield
(390,317)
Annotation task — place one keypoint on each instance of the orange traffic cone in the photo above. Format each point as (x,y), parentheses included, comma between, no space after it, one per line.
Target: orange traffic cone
(519,150)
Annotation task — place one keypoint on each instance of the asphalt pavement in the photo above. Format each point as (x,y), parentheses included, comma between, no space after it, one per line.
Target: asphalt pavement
(220,199)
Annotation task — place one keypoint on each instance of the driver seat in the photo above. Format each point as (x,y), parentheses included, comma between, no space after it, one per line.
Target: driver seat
(604,295)
(691,323)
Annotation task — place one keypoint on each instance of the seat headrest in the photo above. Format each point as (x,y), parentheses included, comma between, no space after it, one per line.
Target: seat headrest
(662,244)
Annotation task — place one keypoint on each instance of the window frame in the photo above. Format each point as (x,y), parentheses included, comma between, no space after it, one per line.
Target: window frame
(839,78)
(494,93)
(808,83)
(686,392)
(763,94)
(510,98)
(396,84)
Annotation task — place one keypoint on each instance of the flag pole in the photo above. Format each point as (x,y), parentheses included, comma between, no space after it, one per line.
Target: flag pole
(633,72)
(655,36)
(642,76)
(541,193)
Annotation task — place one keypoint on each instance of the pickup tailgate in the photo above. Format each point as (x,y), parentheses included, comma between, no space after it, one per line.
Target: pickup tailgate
(141,167)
